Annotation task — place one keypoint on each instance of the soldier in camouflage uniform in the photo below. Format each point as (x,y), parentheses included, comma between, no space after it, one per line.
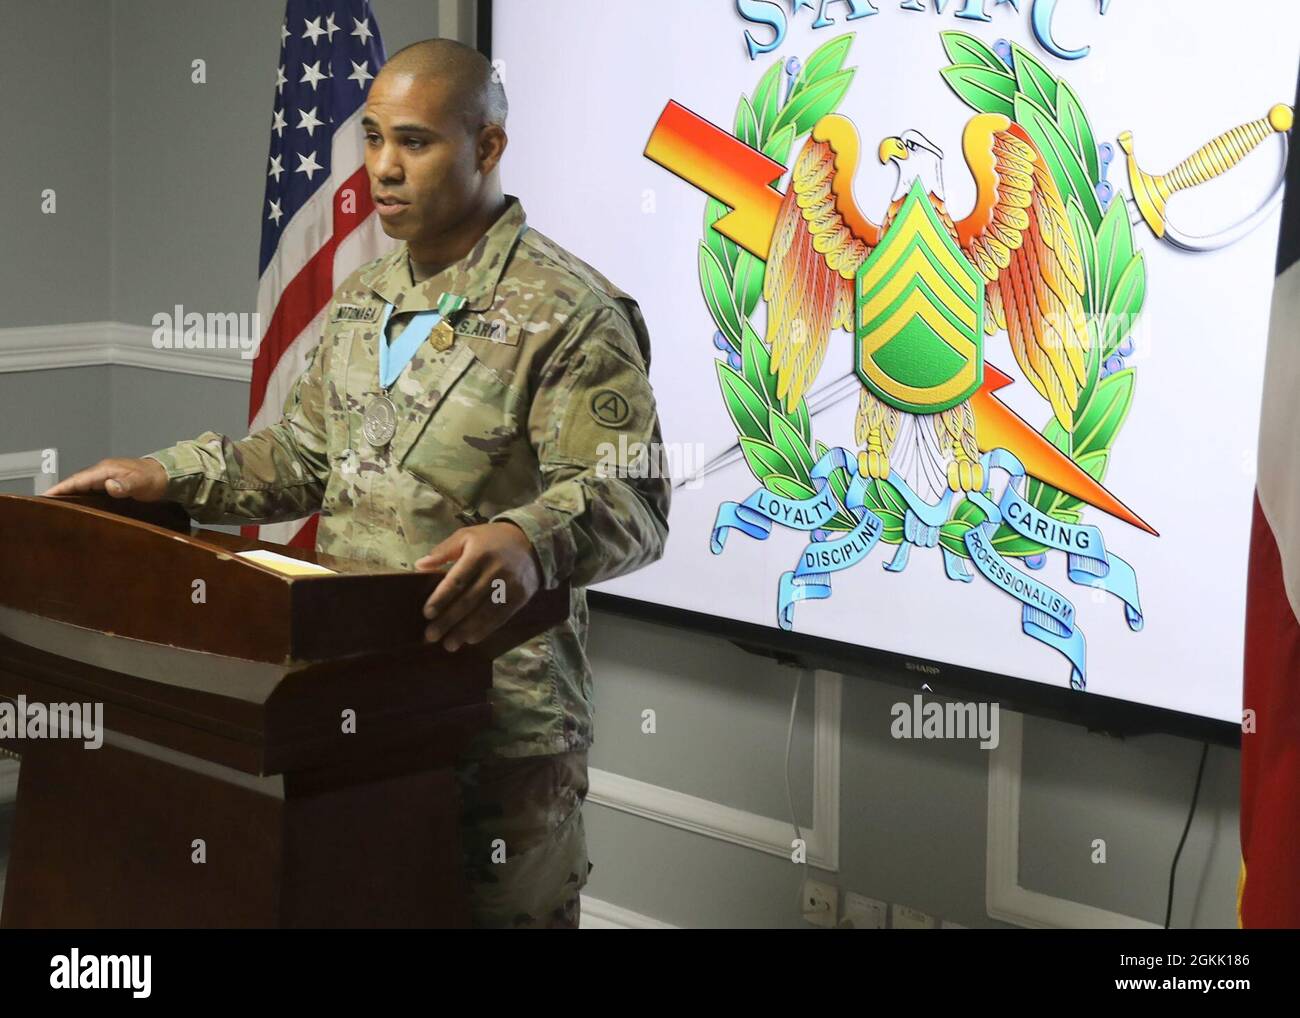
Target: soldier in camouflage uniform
(506,425)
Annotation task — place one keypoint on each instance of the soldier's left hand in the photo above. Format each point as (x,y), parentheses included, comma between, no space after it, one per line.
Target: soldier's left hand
(494,571)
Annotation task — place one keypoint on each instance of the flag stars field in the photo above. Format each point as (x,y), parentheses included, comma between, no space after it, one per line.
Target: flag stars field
(362,29)
(360,73)
(313,75)
(309,120)
(307,164)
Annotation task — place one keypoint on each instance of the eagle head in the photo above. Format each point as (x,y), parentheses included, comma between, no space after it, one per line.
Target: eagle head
(915,156)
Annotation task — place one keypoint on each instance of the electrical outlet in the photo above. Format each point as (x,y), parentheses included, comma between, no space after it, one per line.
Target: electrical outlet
(820,903)
(863,913)
(912,919)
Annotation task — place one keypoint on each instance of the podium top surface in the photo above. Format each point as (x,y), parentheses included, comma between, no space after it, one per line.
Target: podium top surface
(137,571)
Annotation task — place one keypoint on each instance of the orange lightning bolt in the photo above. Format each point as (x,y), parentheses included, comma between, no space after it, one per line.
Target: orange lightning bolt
(740,177)
(719,165)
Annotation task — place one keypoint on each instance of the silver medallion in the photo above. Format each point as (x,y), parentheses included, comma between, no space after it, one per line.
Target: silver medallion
(380,422)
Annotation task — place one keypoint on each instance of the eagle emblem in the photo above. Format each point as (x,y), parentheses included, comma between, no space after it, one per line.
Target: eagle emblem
(1045,255)
(921,289)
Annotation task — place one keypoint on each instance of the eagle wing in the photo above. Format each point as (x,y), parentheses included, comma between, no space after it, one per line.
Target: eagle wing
(1020,239)
(820,239)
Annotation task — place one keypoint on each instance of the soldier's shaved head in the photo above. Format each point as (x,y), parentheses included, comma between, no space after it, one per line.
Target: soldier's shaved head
(434,125)
(473,86)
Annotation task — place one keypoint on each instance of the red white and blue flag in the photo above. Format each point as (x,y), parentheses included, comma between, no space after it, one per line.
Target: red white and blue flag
(318,221)
(1270,741)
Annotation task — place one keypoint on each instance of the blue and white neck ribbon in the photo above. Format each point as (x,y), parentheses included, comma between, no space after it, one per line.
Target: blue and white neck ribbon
(393,357)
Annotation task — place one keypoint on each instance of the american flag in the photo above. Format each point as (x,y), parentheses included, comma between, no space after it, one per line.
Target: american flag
(318,221)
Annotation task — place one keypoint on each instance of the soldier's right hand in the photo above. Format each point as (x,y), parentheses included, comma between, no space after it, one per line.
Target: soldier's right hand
(144,480)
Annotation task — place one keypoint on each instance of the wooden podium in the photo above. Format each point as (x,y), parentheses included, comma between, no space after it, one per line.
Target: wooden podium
(277,750)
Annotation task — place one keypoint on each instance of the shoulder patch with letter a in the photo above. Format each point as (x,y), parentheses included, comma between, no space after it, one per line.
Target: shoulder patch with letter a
(609,407)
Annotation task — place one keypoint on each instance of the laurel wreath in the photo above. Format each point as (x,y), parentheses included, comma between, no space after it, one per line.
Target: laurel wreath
(778,446)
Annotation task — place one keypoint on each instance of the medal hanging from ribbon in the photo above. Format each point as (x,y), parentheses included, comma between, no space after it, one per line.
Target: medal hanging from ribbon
(380,421)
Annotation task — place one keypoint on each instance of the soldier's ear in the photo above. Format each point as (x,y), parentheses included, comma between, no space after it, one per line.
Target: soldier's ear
(492,141)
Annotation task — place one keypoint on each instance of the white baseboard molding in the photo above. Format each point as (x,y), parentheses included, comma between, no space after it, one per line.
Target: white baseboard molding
(92,344)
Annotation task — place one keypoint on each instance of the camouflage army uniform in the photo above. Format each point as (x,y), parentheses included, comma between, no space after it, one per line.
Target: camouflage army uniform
(514,421)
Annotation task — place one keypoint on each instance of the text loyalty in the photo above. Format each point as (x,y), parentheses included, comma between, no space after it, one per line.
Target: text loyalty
(794,514)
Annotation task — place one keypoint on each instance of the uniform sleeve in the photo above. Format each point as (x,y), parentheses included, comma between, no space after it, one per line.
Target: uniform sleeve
(603,510)
(278,473)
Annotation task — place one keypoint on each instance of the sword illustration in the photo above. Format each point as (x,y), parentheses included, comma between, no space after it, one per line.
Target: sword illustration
(1151,193)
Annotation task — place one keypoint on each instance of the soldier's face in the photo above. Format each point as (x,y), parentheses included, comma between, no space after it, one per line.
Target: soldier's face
(426,166)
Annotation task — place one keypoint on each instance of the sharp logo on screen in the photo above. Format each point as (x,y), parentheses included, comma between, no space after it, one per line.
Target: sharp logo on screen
(1049,256)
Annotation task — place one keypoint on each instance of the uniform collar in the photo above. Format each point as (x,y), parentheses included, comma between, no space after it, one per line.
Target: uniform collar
(474,277)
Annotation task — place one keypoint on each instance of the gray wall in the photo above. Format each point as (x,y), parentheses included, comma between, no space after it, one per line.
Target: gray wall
(913,813)
(55,119)
(158,181)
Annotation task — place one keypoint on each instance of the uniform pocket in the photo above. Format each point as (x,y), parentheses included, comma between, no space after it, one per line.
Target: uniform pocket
(468,441)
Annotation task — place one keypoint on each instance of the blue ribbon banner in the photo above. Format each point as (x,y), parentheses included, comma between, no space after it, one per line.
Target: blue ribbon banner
(1047,615)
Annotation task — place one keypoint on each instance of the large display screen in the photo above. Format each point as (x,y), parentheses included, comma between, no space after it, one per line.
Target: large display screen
(958,311)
